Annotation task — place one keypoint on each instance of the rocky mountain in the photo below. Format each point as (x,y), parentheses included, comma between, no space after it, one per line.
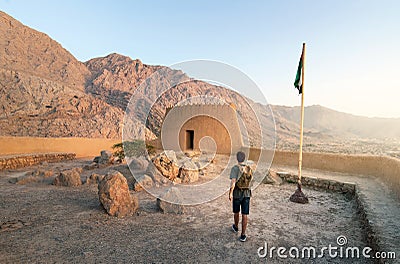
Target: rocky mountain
(43,89)
(46,92)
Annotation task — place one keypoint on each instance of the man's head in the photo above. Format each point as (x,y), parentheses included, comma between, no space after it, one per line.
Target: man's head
(240,156)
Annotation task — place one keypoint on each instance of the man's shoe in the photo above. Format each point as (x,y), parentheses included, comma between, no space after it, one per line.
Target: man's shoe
(243,238)
(234,228)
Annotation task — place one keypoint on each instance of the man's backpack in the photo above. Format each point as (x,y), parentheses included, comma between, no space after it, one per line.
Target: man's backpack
(245,177)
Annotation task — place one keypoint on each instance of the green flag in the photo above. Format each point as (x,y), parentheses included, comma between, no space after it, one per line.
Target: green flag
(297,82)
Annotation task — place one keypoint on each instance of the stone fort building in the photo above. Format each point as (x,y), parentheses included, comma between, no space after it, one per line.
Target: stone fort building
(206,127)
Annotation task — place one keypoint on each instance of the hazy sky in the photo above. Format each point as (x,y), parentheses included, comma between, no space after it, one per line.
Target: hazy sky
(353,47)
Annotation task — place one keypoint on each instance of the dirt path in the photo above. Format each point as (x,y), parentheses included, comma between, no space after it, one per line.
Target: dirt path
(45,223)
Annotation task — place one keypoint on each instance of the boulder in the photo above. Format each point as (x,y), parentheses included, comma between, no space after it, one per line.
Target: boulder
(171,201)
(70,177)
(94,178)
(139,163)
(115,197)
(143,182)
(166,164)
(189,172)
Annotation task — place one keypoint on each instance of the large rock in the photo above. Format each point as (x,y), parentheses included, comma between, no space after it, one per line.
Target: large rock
(69,178)
(189,172)
(143,182)
(115,197)
(166,164)
(171,201)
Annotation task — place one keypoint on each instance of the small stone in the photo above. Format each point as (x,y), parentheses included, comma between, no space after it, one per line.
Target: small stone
(138,163)
(157,177)
(143,182)
(171,201)
(91,166)
(94,178)
(69,178)
(34,176)
(189,172)
(106,157)
(272,178)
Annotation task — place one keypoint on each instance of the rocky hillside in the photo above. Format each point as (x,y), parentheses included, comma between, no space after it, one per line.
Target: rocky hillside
(46,92)
(43,89)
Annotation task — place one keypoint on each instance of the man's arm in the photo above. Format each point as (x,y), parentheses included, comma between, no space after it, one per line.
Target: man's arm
(233,181)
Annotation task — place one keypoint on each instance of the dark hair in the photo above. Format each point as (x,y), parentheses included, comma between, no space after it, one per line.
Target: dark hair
(240,156)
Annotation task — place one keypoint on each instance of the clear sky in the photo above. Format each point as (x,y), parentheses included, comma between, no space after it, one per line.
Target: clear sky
(353,47)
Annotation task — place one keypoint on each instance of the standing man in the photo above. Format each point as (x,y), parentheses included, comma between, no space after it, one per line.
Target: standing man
(240,193)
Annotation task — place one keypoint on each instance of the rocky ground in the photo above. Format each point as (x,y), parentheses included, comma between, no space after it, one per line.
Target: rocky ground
(45,223)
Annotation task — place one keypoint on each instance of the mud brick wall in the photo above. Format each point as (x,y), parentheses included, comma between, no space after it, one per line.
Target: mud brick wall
(83,147)
(218,122)
(19,161)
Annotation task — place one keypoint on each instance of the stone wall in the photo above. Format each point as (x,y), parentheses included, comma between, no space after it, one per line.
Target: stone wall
(345,187)
(19,161)
(385,168)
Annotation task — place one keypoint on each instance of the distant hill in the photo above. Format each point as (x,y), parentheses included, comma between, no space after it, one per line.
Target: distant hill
(46,92)
(319,119)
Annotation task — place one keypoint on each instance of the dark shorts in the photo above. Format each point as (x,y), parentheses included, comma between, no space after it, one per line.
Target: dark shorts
(241,204)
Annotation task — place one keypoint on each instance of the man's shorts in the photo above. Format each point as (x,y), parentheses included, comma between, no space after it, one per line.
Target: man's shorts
(241,204)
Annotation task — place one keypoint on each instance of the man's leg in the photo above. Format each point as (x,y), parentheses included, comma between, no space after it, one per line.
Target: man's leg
(244,223)
(236,210)
(245,212)
(236,219)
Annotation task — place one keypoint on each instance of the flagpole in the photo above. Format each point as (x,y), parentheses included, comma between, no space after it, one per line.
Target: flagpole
(302,114)
(299,196)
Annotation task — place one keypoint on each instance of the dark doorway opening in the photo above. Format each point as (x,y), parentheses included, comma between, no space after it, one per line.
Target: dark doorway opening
(189,139)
